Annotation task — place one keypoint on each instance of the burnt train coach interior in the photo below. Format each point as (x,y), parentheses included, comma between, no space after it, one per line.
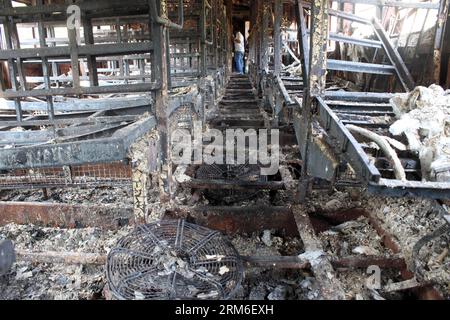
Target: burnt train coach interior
(224,149)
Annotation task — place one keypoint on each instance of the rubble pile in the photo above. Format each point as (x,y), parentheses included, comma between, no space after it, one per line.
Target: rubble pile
(65,282)
(32,281)
(272,283)
(409,220)
(424,118)
(96,196)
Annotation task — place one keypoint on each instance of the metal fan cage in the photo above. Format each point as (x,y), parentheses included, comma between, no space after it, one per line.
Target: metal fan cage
(174,260)
(236,173)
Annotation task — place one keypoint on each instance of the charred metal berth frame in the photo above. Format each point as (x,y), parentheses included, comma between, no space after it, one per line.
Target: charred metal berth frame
(315,108)
(87,141)
(85,128)
(84,148)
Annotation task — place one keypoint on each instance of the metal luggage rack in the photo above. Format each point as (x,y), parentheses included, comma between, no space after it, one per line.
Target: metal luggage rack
(333,110)
(75,123)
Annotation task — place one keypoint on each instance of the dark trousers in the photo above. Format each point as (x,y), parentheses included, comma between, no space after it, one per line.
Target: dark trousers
(239,62)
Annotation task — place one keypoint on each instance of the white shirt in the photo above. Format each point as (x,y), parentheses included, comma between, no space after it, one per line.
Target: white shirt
(239,47)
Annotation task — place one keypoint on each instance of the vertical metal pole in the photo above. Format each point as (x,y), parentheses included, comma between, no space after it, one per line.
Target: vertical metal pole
(8,25)
(16,44)
(439,40)
(91,60)
(225,42)
(126,60)
(73,34)
(230,35)
(303,39)
(160,73)
(45,67)
(203,48)
(419,42)
(264,35)
(318,51)
(218,31)
(2,75)
(253,33)
(119,40)
(142,61)
(379,13)
(316,83)
(73,43)
(51,31)
(225,39)
(277,36)
(169,75)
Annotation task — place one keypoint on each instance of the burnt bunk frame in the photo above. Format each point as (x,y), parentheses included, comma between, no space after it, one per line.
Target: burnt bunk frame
(109,132)
(315,108)
(205,49)
(283,96)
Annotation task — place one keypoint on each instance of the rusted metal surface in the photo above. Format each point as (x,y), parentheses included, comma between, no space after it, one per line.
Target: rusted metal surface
(324,220)
(65,215)
(358,262)
(230,220)
(241,220)
(388,240)
(315,79)
(278,13)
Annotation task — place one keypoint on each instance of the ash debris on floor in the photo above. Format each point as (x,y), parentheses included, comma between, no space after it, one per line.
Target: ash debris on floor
(56,281)
(423,118)
(100,195)
(62,282)
(407,220)
(270,283)
(358,238)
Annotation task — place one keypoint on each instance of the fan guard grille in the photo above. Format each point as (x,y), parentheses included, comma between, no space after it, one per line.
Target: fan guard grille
(237,173)
(172,260)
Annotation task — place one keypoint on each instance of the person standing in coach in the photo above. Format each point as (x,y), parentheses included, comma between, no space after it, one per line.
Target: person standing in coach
(239,51)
